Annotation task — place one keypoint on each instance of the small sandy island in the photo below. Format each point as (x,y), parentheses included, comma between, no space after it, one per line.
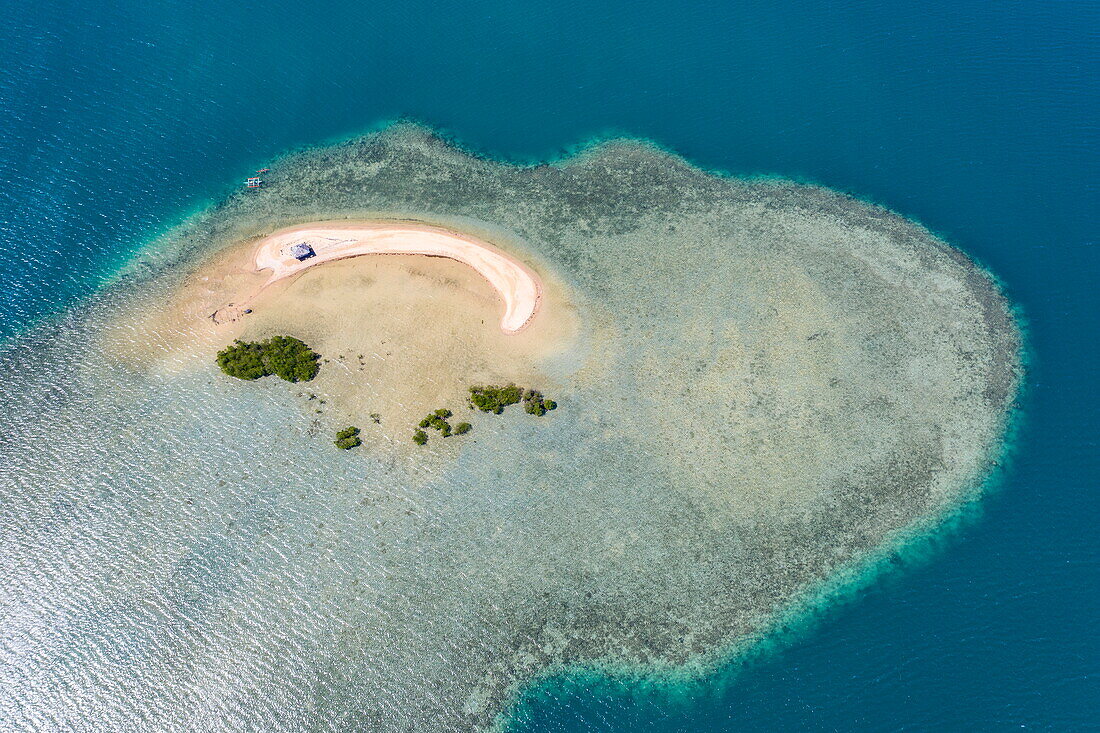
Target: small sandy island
(288,252)
(400,335)
(762,393)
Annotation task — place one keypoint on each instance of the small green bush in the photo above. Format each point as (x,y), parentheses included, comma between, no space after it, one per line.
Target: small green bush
(535,404)
(348,438)
(420,437)
(283,356)
(495,399)
(243,360)
(437,420)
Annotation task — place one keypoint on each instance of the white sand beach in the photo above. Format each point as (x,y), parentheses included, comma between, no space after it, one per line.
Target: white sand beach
(517,286)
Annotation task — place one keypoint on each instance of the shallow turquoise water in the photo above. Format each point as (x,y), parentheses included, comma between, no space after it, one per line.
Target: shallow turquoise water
(978,120)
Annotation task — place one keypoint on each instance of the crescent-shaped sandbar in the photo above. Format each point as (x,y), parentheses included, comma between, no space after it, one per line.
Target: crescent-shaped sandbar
(517,285)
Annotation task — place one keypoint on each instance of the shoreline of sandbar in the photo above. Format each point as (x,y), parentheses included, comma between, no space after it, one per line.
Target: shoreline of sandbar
(515,283)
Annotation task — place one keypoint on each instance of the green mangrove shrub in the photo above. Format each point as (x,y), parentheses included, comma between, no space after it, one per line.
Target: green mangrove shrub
(535,404)
(348,438)
(284,356)
(495,399)
(437,420)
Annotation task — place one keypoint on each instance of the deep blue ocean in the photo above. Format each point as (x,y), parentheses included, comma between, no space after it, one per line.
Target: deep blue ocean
(978,119)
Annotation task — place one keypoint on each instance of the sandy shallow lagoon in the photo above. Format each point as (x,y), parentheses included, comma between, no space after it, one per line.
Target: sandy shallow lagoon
(761,385)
